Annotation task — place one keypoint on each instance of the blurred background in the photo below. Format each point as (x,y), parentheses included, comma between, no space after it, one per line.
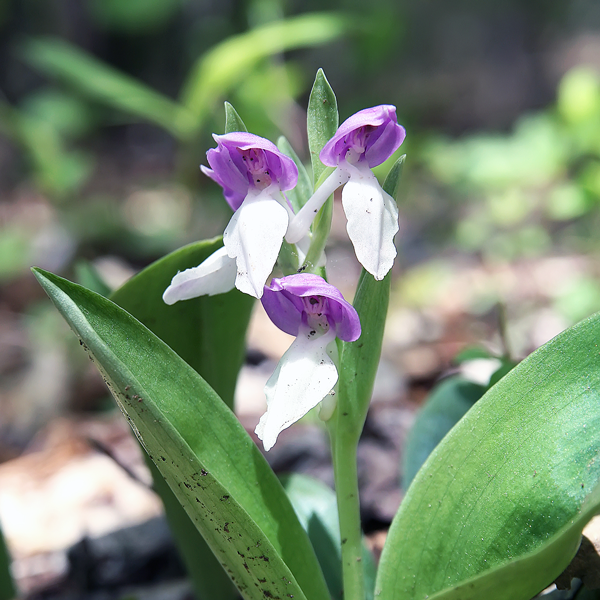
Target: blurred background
(107,109)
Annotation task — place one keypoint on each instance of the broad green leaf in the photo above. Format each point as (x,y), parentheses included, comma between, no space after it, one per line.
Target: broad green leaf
(59,59)
(322,120)
(447,404)
(316,507)
(209,461)
(207,332)
(209,579)
(498,508)
(7,587)
(229,63)
(233,121)
(304,189)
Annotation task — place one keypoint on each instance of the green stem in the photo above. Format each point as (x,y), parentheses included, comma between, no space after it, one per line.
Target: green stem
(344,448)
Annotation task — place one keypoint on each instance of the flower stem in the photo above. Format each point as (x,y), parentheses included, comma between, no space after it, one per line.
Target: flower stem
(344,447)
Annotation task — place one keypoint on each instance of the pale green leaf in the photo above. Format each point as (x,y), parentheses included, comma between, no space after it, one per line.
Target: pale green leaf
(497,510)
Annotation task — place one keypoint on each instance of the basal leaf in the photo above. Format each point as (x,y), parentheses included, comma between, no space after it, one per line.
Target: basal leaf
(209,461)
(207,332)
(316,507)
(446,406)
(497,510)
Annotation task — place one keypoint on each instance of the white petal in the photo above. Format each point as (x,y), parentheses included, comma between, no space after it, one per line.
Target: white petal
(372,222)
(300,224)
(216,275)
(304,376)
(253,237)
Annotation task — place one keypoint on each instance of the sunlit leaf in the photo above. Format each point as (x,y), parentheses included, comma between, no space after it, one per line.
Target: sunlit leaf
(228,63)
(209,461)
(207,332)
(497,510)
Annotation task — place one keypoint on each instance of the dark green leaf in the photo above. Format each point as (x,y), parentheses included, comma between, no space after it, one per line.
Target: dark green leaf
(501,371)
(203,331)
(88,277)
(447,404)
(207,332)
(471,353)
(322,121)
(208,577)
(209,461)
(7,587)
(497,510)
(316,507)
(233,121)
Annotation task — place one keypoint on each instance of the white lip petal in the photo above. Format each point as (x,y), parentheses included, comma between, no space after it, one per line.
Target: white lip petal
(216,275)
(372,222)
(304,376)
(253,237)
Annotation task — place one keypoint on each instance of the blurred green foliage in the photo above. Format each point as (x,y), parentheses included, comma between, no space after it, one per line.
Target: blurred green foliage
(536,188)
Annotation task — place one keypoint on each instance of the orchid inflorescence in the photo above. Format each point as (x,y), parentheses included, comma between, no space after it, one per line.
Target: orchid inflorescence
(255,175)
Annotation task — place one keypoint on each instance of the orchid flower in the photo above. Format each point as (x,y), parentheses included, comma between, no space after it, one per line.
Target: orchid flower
(306,306)
(253,174)
(363,141)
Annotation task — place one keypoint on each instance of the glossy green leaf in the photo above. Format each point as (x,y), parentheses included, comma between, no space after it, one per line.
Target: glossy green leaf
(229,63)
(316,507)
(233,121)
(57,58)
(448,402)
(207,332)
(209,461)
(210,581)
(7,586)
(497,510)
(322,120)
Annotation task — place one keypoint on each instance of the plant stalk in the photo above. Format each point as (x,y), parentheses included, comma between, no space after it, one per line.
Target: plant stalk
(344,449)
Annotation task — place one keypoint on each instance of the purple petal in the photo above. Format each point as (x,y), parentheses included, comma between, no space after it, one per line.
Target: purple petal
(284,307)
(229,170)
(377,127)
